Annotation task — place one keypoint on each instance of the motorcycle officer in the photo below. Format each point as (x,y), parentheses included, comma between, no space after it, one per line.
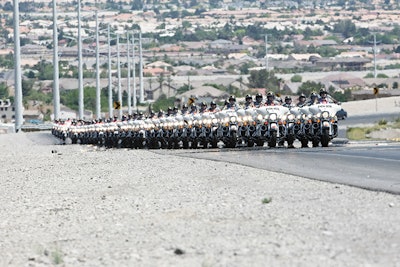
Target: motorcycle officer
(176,111)
(193,109)
(249,102)
(259,100)
(325,98)
(185,109)
(302,101)
(288,102)
(213,107)
(313,99)
(271,99)
(232,103)
(203,107)
(170,112)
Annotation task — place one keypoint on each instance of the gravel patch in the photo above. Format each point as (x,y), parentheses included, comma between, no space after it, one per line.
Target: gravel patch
(82,206)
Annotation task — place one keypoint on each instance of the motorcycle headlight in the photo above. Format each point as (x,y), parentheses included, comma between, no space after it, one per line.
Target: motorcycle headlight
(233,119)
(290,117)
(325,114)
(273,116)
(214,121)
(259,117)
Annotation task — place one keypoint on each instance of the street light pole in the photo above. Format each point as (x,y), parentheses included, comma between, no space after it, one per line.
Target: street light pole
(119,80)
(80,71)
(110,91)
(17,69)
(141,96)
(129,74)
(134,72)
(56,81)
(374,55)
(98,92)
(266,52)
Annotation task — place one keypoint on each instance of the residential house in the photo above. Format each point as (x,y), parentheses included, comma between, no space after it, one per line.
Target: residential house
(7,110)
(348,64)
(204,91)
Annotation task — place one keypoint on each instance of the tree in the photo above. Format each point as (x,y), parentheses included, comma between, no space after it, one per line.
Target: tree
(308,87)
(346,27)
(264,79)
(3,90)
(27,86)
(45,70)
(296,78)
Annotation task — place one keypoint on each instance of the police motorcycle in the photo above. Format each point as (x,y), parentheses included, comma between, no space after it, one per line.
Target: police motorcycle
(271,129)
(153,126)
(111,130)
(72,133)
(211,122)
(323,120)
(100,137)
(162,133)
(290,126)
(247,127)
(174,124)
(229,127)
(140,136)
(300,128)
(186,130)
(196,136)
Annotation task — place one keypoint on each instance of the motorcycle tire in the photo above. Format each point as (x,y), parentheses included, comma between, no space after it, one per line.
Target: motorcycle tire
(325,139)
(272,141)
(250,143)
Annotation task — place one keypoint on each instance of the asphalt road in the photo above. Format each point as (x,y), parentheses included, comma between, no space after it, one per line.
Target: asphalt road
(369,165)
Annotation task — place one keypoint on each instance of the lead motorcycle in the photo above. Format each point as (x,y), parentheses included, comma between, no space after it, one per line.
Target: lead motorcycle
(324,123)
(229,128)
(272,121)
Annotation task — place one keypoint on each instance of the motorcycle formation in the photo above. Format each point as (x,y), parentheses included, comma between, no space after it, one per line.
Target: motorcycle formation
(257,123)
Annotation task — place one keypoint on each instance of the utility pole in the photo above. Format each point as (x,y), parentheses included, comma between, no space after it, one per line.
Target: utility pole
(374,50)
(374,55)
(119,80)
(98,90)
(266,52)
(141,97)
(110,91)
(80,69)
(17,69)
(134,71)
(128,61)
(56,81)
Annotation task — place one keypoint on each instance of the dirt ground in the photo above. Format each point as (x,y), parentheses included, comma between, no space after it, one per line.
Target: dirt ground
(72,205)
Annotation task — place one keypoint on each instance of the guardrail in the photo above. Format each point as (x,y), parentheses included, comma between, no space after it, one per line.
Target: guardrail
(36,127)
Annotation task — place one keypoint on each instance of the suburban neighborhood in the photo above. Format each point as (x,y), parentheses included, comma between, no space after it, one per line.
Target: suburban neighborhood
(201,49)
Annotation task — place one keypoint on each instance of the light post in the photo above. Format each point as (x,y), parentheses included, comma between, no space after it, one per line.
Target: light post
(110,103)
(119,79)
(80,69)
(17,69)
(134,71)
(129,75)
(141,93)
(56,82)
(98,90)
